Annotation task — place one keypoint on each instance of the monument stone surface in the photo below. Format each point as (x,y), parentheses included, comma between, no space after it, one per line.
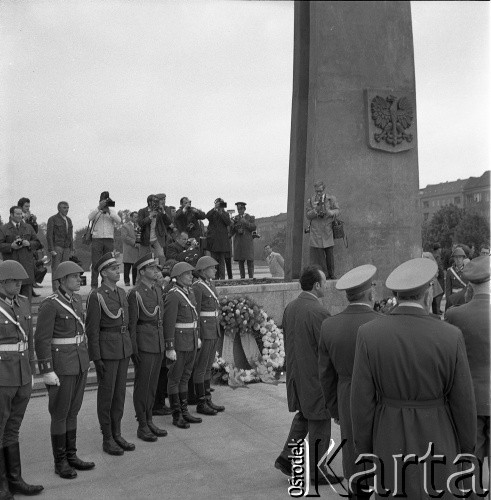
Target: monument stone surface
(354,127)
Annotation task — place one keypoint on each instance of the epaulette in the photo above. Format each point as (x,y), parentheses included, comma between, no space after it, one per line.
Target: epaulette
(52,296)
(20,295)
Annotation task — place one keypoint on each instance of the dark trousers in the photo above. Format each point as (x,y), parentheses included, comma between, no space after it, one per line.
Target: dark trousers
(315,429)
(13,404)
(126,273)
(99,247)
(26,290)
(204,361)
(483,442)
(228,265)
(180,372)
(250,268)
(161,393)
(324,258)
(220,258)
(65,401)
(146,380)
(111,393)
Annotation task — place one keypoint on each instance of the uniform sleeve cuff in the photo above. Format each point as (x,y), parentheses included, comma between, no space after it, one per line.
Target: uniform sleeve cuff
(45,365)
(169,345)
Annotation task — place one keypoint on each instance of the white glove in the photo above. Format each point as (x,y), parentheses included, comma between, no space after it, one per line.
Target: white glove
(51,379)
(171,354)
(199,343)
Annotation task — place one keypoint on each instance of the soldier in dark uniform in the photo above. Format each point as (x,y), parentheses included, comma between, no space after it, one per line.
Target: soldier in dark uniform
(147,339)
(455,283)
(337,353)
(208,309)
(16,368)
(63,359)
(181,342)
(110,349)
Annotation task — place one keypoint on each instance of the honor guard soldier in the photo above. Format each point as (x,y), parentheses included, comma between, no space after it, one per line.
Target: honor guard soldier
(181,342)
(208,309)
(147,339)
(16,368)
(337,353)
(63,360)
(456,283)
(110,348)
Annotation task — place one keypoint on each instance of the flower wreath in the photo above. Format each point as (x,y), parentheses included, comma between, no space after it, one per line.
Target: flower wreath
(241,315)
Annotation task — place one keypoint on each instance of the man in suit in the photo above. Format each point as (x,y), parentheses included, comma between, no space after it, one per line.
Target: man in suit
(63,360)
(59,235)
(130,248)
(19,242)
(110,349)
(473,319)
(242,229)
(188,219)
(337,354)
(17,365)
(411,388)
(218,238)
(302,322)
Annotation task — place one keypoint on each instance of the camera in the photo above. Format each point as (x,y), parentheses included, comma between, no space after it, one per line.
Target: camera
(222,204)
(255,234)
(105,197)
(110,203)
(18,241)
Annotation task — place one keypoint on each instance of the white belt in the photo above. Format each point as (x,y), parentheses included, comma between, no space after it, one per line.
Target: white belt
(456,290)
(213,314)
(19,347)
(78,339)
(187,325)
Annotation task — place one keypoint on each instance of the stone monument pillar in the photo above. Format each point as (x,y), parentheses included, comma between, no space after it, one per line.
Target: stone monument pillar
(354,127)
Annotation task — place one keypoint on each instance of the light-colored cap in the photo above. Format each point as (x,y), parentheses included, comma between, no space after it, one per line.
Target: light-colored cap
(411,275)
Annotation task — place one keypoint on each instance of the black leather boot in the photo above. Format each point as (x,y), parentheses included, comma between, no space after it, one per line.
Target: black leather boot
(71,452)
(109,445)
(4,484)
(143,432)
(208,397)
(62,467)
(14,473)
(202,407)
(177,419)
(184,410)
(156,430)
(119,440)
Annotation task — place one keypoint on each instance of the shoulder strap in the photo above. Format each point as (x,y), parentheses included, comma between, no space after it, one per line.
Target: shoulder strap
(209,289)
(71,311)
(457,276)
(175,289)
(16,323)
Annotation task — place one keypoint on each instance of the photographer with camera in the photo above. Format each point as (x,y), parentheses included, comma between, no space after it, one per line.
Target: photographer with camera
(321,210)
(243,230)
(218,238)
(18,241)
(154,223)
(103,219)
(188,219)
(31,219)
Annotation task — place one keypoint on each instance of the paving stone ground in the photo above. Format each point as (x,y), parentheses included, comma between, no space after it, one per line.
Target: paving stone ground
(228,456)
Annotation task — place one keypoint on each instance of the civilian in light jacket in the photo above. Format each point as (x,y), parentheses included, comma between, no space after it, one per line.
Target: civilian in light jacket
(130,248)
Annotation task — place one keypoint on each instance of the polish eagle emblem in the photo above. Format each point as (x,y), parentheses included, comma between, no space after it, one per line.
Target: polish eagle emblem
(394,117)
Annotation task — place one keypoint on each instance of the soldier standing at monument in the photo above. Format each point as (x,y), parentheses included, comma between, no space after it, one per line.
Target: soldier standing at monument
(208,309)
(110,349)
(63,360)
(337,354)
(242,229)
(455,283)
(321,210)
(17,365)
(147,339)
(181,342)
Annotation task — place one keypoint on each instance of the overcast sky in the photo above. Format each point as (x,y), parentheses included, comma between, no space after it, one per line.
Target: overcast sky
(194,99)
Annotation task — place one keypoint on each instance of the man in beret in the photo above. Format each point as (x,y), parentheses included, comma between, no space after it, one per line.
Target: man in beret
(473,319)
(242,229)
(181,342)
(110,349)
(17,365)
(147,339)
(411,389)
(337,353)
(455,283)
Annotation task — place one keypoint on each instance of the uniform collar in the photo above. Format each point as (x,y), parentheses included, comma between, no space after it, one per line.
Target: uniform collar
(65,295)
(182,288)
(358,307)
(409,310)
(9,302)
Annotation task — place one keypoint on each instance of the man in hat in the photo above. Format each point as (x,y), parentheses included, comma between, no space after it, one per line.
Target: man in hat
(302,322)
(242,229)
(337,354)
(218,238)
(103,219)
(208,309)
(17,366)
(455,283)
(147,338)
(181,342)
(411,389)
(473,319)
(63,361)
(110,349)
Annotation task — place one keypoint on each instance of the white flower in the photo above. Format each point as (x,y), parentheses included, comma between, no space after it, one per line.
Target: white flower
(264,351)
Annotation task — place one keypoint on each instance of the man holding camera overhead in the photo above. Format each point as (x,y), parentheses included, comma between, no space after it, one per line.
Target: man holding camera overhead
(218,239)
(188,219)
(103,219)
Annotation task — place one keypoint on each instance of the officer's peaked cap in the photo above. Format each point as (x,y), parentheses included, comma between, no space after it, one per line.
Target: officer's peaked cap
(477,270)
(412,275)
(357,280)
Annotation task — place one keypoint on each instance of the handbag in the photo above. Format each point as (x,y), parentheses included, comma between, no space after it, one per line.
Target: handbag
(87,236)
(338,231)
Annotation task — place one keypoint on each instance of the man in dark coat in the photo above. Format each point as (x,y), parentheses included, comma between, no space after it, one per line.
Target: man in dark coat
(411,389)
(18,241)
(242,229)
(218,239)
(473,319)
(337,354)
(187,219)
(302,322)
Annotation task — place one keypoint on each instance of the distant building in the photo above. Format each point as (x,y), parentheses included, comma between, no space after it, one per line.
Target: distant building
(471,194)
